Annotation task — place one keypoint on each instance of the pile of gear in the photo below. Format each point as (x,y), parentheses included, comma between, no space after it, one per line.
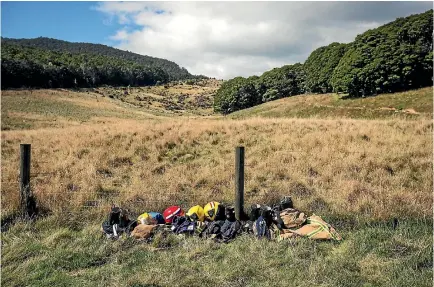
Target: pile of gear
(217,222)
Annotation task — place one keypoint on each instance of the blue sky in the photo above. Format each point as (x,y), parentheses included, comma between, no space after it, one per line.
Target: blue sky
(217,39)
(70,21)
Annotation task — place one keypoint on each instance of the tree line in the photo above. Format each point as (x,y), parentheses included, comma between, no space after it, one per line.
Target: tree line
(50,63)
(172,69)
(394,57)
(34,67)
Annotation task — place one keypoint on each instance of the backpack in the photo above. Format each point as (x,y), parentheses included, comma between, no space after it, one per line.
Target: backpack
(260,228)
(292,218)
(117,223)
(116,230)
(276,219)
(212,229)
(230,230)
(143,231)
(115,215)
(230,213)
(255,211)
(286,202)
(180,225)
(267,214)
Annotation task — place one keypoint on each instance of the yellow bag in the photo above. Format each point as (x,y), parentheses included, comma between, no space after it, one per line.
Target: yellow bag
(315,228)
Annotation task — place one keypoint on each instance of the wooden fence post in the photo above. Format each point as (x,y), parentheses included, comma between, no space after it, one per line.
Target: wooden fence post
(239,182)
(28,204)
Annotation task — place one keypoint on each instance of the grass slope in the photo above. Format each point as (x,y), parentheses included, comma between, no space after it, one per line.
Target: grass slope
(89,150)
(413,104)
(33,109)
(30,109)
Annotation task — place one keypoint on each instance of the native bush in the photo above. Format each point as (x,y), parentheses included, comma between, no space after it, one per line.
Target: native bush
(236,94)
(320,65)
(174,71)
(240,93)
(394,57)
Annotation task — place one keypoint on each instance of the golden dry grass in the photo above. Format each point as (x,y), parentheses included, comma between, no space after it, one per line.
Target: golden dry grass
(33,109)
(373,169)
(414,104)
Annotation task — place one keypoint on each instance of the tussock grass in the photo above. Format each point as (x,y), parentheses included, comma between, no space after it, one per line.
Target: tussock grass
(357,174)
(171,99)
(372,169)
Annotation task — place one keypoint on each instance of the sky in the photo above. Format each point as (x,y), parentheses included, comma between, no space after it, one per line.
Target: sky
(216,39)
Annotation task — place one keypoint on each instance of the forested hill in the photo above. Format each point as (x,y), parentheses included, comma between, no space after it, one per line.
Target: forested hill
(172,69)
(394,57)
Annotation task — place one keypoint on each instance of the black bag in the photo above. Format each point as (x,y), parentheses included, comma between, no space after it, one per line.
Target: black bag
(117,223)
(267,214)
(286,202)
(276,219)
(221,213)
(255,212)
(230,230)
(115,215)
(230,214)
(181,224)
(212,229)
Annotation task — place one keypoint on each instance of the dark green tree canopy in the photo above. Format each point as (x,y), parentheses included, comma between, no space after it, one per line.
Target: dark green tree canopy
(240,93)
(34,67)
(236,94)
(320,65)
(172,69)
(394,57)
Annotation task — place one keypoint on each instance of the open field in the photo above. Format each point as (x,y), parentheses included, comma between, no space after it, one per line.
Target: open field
(358,169)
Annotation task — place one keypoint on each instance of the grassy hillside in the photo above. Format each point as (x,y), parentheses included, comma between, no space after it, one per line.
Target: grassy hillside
(415,104)
(30,109)
(95,147)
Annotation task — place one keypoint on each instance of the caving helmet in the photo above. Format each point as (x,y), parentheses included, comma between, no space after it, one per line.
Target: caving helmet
(214,211)
(172,211)
(196,213)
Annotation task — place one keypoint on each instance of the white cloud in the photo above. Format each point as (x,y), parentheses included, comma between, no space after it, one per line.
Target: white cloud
(227,39)
(120,35)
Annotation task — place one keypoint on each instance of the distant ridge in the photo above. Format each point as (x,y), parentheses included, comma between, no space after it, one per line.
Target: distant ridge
(174,71)
(50,63)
